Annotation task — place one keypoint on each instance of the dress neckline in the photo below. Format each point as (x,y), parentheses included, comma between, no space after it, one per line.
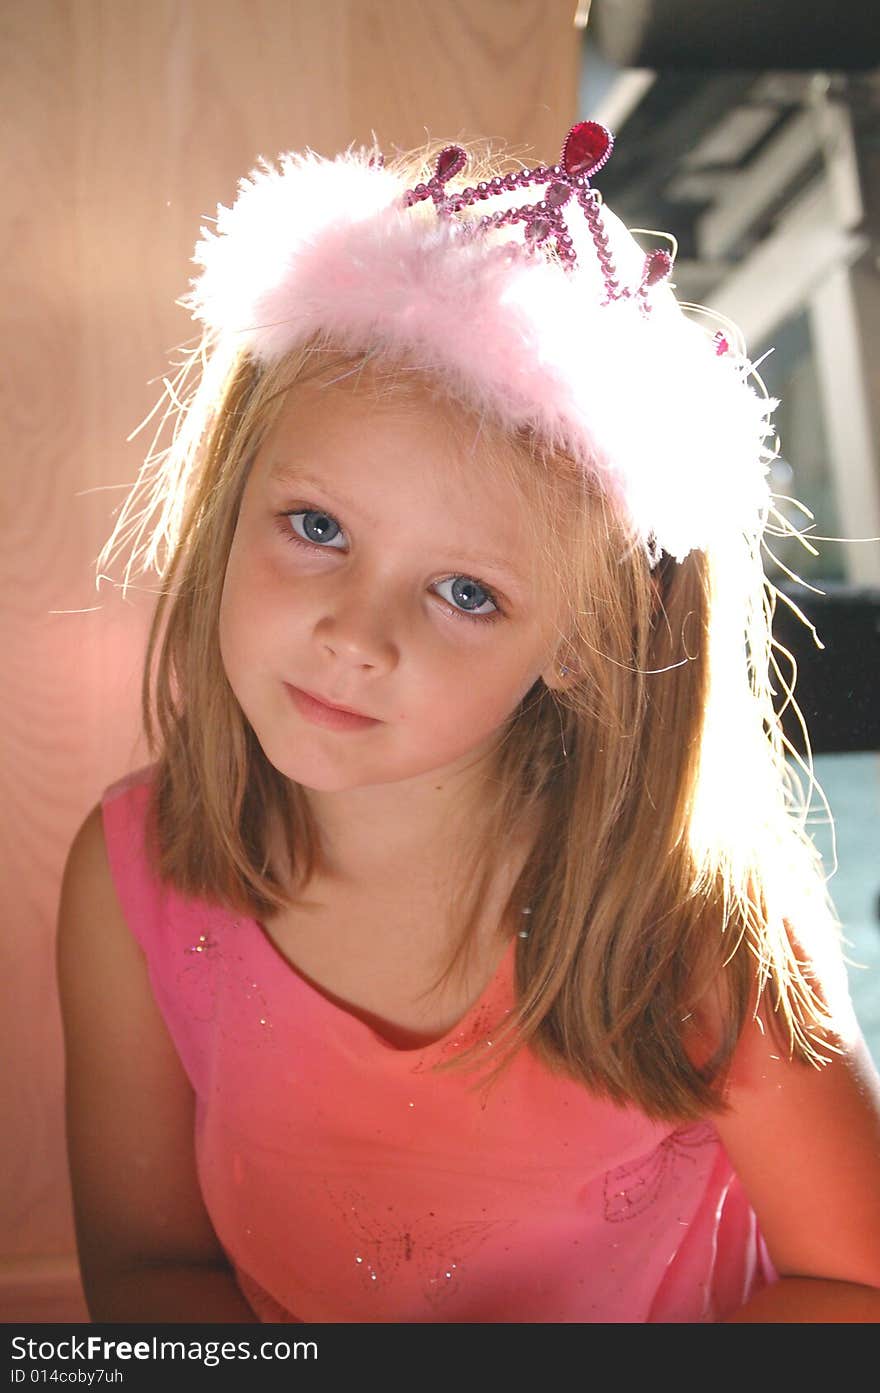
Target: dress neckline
(502,977)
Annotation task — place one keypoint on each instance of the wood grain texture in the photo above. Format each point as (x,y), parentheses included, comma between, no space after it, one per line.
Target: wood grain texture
(126,125)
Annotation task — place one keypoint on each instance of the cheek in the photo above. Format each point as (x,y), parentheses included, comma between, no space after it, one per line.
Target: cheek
(473,692)
(249,605)
(244,613)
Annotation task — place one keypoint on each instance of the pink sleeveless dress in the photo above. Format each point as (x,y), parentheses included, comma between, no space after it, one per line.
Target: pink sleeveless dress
(348,1182)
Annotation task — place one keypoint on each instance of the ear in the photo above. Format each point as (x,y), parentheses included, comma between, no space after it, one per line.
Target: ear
(561,673)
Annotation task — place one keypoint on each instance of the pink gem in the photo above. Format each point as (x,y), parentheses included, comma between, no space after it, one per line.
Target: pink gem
(587,147)
(449,162)
(557,194)
(658,264)
(537,230)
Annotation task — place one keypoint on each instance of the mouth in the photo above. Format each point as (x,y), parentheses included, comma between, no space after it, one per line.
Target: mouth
(327,713)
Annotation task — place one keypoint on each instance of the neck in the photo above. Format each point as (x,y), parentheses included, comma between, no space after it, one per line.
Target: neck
(400,838)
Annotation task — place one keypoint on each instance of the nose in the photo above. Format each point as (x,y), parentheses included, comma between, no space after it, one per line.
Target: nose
(355,627)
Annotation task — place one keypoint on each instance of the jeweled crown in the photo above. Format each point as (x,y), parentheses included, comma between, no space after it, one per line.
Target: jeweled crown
(587,148)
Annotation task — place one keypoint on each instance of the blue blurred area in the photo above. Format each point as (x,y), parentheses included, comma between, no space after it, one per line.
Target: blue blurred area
(851,783)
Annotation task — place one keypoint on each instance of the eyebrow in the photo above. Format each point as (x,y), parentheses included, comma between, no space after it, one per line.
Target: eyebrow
(288,474)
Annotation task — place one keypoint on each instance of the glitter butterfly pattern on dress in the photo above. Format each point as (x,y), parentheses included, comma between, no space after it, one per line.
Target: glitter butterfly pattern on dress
(385,1240)
(630,1190)
(208,967)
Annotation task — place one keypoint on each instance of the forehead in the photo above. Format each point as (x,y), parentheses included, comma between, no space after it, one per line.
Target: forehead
(405,453)
(358,421)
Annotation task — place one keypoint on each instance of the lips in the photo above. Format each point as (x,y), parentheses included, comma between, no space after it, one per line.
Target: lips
(319,712)
(333,705)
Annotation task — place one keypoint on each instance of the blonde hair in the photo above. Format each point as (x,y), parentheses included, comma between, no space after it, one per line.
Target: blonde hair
(672,867)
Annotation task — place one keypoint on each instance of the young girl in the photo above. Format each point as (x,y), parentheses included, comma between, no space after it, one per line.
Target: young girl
(462,955)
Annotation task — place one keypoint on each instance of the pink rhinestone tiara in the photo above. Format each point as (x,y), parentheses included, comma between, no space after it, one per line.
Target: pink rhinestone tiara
(586,150)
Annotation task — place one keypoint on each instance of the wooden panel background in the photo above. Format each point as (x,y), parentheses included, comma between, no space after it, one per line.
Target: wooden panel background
(126,125)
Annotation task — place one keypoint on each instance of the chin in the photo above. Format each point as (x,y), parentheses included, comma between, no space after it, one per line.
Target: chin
(319,782)
(309,771)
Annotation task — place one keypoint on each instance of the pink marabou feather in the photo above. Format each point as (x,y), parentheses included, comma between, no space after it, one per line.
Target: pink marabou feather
(675,431)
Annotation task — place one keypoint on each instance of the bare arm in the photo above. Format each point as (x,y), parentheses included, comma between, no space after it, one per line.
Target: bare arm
(147,1248)
(805,1142)
(807,1301)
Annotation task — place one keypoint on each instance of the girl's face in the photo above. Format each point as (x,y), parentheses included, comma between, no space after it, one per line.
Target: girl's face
(374,566)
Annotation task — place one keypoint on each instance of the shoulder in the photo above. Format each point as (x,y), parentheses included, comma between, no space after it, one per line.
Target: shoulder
(123,805)
(87,867)
(121,933)
(90,859)
(90,916)
(105,885)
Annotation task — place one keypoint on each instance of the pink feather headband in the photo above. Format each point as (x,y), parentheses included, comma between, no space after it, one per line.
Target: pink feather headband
(588,348)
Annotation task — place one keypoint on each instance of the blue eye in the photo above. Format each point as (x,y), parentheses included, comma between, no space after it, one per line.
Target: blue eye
(312,527)
(469,597)
(318,527)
